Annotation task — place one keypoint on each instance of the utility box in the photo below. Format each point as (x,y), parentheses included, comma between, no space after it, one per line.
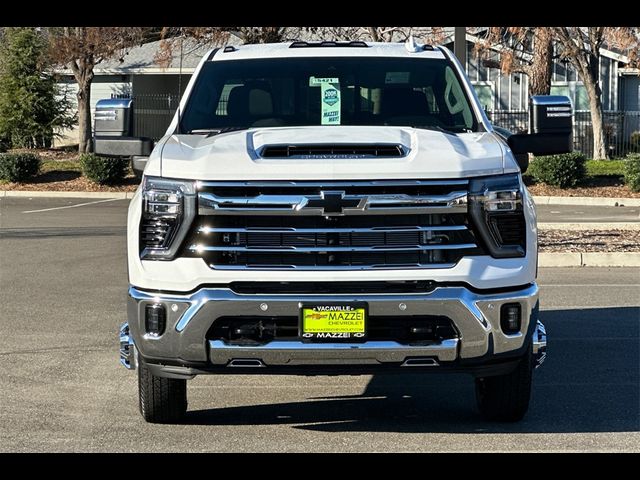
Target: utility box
(113,117)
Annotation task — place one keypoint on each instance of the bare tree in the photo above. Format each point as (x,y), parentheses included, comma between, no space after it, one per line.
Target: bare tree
(220,35)
(263,34)
(527,50)
(581,47)
(170,37)
(81,49)
(381,34)
(216,36)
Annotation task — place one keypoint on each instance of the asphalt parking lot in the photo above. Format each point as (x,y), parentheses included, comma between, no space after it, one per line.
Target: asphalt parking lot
(63,280)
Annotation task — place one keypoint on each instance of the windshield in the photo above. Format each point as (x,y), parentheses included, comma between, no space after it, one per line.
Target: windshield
(277,92)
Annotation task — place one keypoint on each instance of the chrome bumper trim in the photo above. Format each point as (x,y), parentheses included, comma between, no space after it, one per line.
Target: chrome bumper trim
(189,317)
(539,344)
(300,353)
(127,348)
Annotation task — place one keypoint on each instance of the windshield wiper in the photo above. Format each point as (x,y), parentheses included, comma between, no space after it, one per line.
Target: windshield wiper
(451,131)
(215,131)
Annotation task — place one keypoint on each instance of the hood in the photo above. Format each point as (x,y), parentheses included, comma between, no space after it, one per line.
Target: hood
(237,155)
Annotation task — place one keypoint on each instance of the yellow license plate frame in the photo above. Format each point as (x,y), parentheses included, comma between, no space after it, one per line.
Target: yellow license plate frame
(335,322)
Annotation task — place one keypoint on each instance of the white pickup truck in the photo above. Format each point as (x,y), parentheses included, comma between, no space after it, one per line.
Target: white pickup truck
(336,208)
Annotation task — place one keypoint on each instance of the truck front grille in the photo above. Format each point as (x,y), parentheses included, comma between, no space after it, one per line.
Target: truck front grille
(332,225)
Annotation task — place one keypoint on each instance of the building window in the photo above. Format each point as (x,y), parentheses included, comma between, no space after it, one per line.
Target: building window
(486,94)
(582,98)
(575,91)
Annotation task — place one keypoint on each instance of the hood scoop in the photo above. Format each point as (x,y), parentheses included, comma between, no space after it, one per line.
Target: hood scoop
(333,151)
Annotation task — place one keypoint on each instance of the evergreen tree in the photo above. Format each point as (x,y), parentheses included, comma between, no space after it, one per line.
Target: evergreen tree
(31,107)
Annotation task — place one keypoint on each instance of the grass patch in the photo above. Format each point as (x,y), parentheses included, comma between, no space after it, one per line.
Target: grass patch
(607,168)
(60,166)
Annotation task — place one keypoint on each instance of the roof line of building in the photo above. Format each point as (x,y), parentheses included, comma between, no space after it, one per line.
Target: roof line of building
(130,71)
(472,37)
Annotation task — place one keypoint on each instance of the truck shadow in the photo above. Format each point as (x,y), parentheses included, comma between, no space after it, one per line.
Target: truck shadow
(589,383)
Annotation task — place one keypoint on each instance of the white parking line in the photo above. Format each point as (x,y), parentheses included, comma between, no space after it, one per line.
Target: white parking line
(72,206)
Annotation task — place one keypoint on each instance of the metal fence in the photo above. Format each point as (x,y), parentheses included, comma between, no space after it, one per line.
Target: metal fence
(622,130)
(152,114)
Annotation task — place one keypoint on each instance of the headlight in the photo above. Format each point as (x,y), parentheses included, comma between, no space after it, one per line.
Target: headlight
(168,209)
(495,205)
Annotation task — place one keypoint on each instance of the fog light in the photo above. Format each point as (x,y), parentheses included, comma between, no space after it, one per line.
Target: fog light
(155,318)
(510,317)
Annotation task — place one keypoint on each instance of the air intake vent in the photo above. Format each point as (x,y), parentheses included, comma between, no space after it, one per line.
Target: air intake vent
(155,231)
(332,151)
(509,229)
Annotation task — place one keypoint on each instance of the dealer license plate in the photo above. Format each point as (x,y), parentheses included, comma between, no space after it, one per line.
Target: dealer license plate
(333,322)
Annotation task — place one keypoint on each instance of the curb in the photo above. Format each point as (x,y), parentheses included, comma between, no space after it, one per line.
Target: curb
(590,259)
(589,226)
(588,201)
(39,193)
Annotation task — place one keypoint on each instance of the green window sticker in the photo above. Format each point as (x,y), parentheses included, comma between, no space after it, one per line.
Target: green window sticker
(330,104)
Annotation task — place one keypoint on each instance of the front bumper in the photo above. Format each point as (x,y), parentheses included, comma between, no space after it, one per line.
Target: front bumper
(189,317)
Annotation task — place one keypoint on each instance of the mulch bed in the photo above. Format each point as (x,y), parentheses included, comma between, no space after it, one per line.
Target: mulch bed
(592,187)
(65,181)
(589,241)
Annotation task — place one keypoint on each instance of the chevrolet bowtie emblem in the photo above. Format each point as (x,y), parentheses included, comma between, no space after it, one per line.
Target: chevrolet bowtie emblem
(331,202)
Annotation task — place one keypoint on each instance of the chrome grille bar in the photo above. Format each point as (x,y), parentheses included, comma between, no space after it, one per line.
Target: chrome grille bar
(335,183)
(436,228)
(386,266)
(294,249)
(374,204)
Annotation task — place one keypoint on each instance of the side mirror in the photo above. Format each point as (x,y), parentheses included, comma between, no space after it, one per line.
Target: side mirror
(113,133)
(550,127)
(122,146)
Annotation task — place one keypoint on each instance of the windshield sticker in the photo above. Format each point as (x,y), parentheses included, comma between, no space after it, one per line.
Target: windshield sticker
(317,81)
(330,111)
(396,77)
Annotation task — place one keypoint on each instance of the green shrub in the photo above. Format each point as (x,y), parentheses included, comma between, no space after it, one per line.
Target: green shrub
(632,171)
(17,167)
(565,170)
(635,142)
(4,145)
(104,170)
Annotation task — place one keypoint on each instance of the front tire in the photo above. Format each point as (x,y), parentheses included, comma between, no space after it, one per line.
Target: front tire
(505,398)
(162,400)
